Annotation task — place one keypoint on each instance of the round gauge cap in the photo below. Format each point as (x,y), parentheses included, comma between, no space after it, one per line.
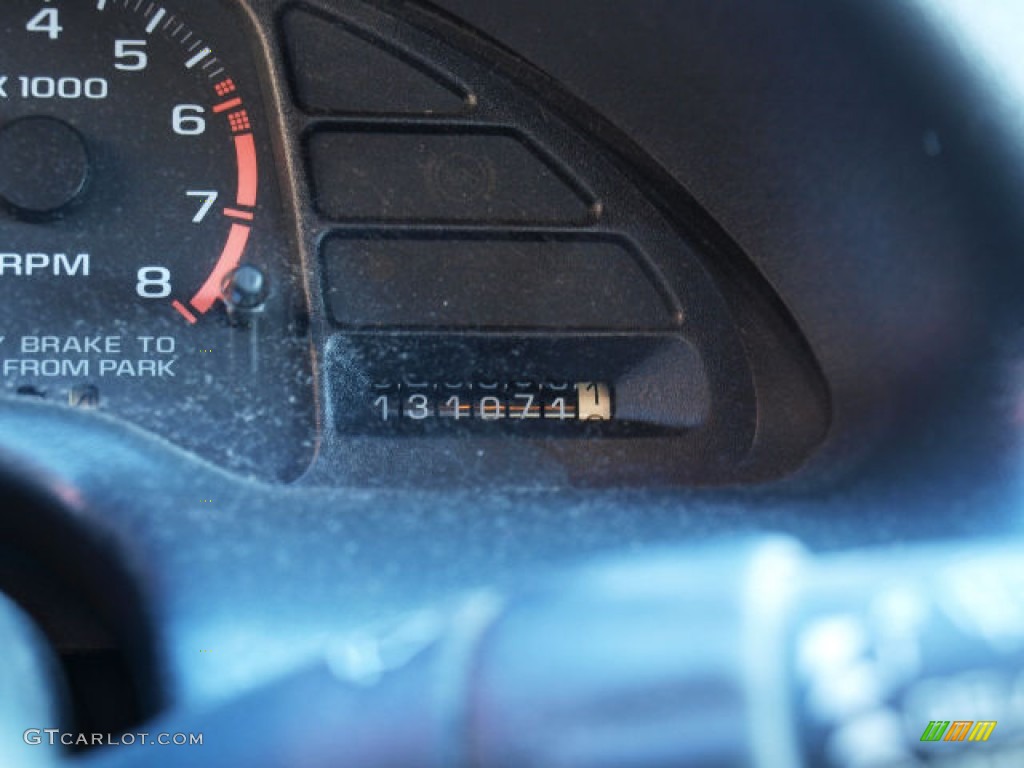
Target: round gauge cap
(44,165)
(246,288)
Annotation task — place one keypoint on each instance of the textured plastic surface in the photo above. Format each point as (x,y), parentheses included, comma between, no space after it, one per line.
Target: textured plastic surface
(505,220)
(527,282)
(342,68)
(444,175)
(801,128)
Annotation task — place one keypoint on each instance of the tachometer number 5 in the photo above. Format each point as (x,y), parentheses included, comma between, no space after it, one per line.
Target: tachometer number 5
(131,55)
(154,283)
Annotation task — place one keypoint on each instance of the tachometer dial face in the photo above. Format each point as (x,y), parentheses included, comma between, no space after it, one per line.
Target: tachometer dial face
(146,264)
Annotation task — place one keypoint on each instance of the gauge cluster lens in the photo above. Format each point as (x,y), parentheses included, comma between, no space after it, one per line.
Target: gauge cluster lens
(146,264)
(354,243)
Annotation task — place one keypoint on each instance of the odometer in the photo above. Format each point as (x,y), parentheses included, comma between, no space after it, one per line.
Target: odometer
(145,259)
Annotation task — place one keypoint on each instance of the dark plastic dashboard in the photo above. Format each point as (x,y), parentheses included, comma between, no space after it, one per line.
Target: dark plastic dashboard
(782,238)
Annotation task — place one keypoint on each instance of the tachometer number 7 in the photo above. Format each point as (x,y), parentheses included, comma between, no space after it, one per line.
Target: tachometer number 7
(209,198)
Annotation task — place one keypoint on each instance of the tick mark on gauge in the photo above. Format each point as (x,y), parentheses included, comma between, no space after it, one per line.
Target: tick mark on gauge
(155,21)
(184,312)
(234,213)
(230,104)
(197,58)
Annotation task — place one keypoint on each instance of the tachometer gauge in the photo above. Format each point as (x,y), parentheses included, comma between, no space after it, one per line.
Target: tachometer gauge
(145,264)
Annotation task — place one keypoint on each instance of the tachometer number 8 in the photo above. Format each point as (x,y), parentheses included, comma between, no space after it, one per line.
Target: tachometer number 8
(154,283)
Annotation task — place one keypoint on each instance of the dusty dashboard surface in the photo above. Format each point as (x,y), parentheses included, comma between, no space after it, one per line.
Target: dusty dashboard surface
(428,269)
(315,313)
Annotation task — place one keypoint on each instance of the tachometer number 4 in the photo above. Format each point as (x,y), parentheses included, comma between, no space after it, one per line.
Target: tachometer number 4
(48,21)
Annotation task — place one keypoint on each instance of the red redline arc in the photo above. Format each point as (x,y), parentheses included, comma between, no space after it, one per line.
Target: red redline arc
(246,195)
(248,170)
(229,260)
